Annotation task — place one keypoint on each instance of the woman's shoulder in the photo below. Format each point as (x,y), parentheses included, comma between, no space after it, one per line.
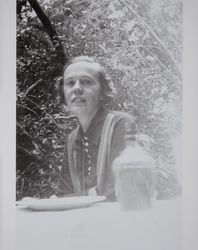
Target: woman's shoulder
(122,116)
(124,122)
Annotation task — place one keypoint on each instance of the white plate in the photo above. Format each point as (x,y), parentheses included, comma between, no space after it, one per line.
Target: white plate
(59,203)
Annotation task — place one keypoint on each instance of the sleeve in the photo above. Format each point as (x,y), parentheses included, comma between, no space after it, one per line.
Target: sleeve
(124,125)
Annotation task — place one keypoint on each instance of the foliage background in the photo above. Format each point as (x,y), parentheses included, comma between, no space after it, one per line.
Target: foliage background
(139,42)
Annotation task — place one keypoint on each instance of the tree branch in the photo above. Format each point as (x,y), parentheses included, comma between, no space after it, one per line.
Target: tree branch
(32,111)
(32,87)
(24,131)
(49,29)
(154,35)
(29,153)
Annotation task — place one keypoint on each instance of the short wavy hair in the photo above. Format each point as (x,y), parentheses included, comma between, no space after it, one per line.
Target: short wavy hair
(108,90)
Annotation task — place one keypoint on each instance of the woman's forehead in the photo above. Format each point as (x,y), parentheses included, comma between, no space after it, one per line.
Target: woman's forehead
(82,68)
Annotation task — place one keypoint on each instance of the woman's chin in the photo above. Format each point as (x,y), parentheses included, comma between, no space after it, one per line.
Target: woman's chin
(83,111)
(78,110)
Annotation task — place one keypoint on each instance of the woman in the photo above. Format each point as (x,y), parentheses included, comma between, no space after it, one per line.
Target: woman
(101,134)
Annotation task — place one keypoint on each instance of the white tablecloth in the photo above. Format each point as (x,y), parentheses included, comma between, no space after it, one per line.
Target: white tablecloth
(102,226)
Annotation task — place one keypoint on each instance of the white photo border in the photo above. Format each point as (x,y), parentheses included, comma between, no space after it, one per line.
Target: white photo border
(8,121)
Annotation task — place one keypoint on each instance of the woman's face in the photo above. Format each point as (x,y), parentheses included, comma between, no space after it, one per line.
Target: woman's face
(82,88)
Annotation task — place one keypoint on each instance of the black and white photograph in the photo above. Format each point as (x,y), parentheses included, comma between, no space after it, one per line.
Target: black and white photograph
(99,126)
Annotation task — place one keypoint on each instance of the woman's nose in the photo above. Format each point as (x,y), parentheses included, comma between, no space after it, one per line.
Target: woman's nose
(78,89)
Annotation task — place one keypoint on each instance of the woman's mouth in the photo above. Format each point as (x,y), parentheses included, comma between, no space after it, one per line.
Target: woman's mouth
(79,100)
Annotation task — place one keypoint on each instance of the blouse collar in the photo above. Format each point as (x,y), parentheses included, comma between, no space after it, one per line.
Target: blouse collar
(94,130)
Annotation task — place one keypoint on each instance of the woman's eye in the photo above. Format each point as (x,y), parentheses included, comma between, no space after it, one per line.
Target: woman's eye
(86,82)
(69,83)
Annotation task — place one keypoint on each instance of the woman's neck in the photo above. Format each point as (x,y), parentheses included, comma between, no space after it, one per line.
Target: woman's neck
(85,120)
